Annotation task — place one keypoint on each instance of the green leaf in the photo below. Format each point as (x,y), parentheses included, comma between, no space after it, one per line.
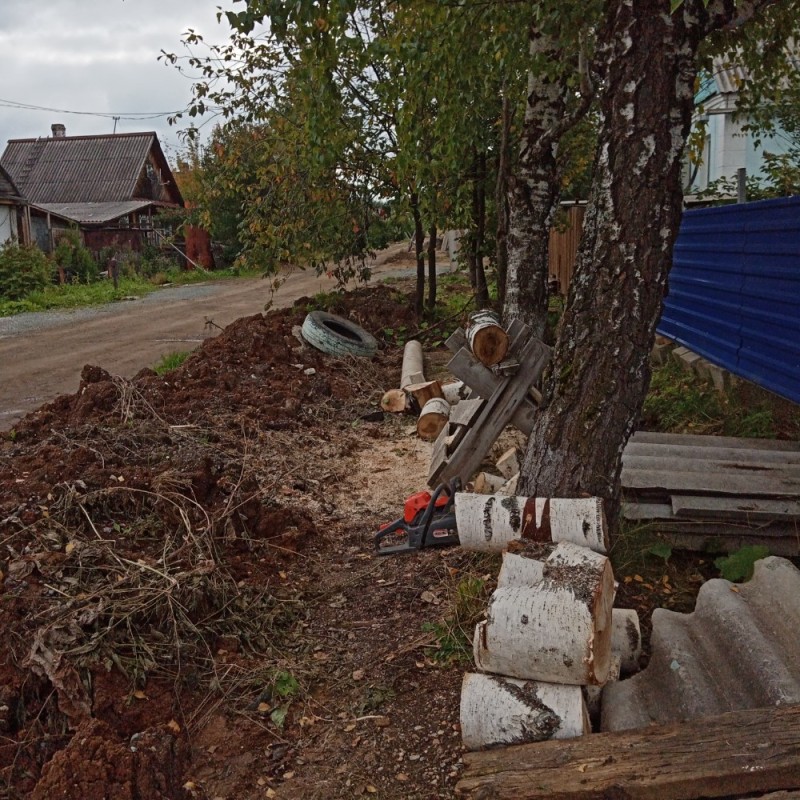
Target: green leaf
(739,566)
(662,550)
(278,716)
(285,685)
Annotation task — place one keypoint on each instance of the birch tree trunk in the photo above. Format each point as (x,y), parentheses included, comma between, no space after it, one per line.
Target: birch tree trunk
(419,242)
(533,194)
(600,369)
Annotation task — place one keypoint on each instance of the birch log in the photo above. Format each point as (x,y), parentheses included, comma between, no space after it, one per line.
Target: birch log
(626,639)
(411,371)
(485,483)
(486,338)
(455,392)
(510,486)
(424,391)
(496,710)
(559,630)
(433,418)
(508,463)
(593,695)
(395,401)
(519,571)
(490,523)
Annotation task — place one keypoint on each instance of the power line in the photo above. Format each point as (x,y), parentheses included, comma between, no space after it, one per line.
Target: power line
(132,115)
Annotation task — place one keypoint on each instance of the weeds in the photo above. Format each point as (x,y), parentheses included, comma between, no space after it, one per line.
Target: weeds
(467,599)
(170,361)
(679,401)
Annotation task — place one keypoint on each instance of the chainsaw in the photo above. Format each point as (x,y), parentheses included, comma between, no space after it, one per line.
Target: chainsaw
(429,520)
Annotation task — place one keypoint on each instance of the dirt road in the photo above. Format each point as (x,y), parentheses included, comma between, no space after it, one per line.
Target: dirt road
(41,355)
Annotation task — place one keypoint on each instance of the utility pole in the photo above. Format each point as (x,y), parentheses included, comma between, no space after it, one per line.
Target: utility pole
(116,120)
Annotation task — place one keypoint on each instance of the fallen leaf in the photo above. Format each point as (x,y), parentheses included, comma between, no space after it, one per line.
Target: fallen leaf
(358,674)
(261,781)
(638,578)
(263,708)
(270,793)
(287,776)
(582,767)
(371,789)
(428,597)
(401,776)
(735,589)
(174,726)
(140,695)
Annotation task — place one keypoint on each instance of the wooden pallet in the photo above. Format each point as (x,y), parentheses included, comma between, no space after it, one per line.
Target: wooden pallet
(712,492)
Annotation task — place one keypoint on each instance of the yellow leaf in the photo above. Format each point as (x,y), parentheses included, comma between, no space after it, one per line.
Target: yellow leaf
(263,708)
(174,726)
(140,695)
(638,578)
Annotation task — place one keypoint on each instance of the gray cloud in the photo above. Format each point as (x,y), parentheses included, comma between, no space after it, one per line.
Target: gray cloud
(96,56)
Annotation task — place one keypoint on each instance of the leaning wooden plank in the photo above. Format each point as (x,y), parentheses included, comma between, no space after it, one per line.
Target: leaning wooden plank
(748,509)
(497,413)
(635,448)
(456,340)
(464,412)
(742,466)
(697,440)
(483,382)
(730,755)
(751,485)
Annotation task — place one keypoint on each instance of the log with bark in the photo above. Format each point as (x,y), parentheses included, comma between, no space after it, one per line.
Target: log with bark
(486,337)
(496,710)
(455,391)
(626,639)
(486,483)
(412,371)
(558,630)
(433,418)
(490,523)
(424,391)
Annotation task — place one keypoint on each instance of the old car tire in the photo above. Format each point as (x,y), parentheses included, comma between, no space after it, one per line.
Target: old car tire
(337,336)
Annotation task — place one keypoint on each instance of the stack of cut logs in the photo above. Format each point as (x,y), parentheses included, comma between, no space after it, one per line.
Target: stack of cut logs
(431,399)
(550,640)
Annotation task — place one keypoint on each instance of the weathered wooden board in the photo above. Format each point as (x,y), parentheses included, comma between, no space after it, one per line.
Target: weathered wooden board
(495,415)
(483,382)
(683,482)
(465,411)
(635,448)
(713,539)
(744,466)
(696,440)
(730,755)
(751,509)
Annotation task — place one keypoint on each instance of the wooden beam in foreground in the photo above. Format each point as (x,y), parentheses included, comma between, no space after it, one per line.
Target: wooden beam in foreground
(730,755)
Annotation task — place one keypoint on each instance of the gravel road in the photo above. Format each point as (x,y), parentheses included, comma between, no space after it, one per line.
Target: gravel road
(42,354)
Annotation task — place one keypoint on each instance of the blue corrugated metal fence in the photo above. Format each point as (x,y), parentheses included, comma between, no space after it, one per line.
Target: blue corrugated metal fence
(734,291)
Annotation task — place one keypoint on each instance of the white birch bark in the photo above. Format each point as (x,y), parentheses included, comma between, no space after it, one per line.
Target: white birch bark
(558,630)
(497,710)
(490,523)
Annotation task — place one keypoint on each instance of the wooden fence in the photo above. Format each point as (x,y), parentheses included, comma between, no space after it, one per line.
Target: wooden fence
(564,238)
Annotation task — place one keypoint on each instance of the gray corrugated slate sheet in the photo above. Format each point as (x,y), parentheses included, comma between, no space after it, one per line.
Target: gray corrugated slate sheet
(738,649)
(94,213)
(77,169)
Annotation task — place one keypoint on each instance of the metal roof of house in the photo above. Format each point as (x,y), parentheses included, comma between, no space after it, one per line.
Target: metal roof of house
(737,650)
(94,213)
(81,169)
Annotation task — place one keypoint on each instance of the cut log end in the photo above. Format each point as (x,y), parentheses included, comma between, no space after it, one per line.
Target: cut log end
(395,401)
(433,418)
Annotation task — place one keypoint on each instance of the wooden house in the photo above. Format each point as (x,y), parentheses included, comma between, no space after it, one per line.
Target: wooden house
(111,187)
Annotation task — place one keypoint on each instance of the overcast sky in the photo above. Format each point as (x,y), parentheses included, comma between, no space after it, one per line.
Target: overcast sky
(96,56)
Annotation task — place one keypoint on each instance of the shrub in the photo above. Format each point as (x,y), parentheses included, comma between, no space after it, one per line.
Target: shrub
(76,260)
(23,269)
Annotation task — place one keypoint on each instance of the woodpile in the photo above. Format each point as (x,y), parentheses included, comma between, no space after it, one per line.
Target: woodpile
(714,493)
(550,631)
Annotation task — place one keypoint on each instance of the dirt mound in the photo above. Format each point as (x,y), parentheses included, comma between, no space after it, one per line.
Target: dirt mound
(178,551)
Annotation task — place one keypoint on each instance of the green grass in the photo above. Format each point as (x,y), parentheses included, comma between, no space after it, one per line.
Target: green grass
(171,361)
(102,292)
(679,401)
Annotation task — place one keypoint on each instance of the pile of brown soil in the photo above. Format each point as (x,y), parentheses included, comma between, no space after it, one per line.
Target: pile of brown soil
(190,603)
